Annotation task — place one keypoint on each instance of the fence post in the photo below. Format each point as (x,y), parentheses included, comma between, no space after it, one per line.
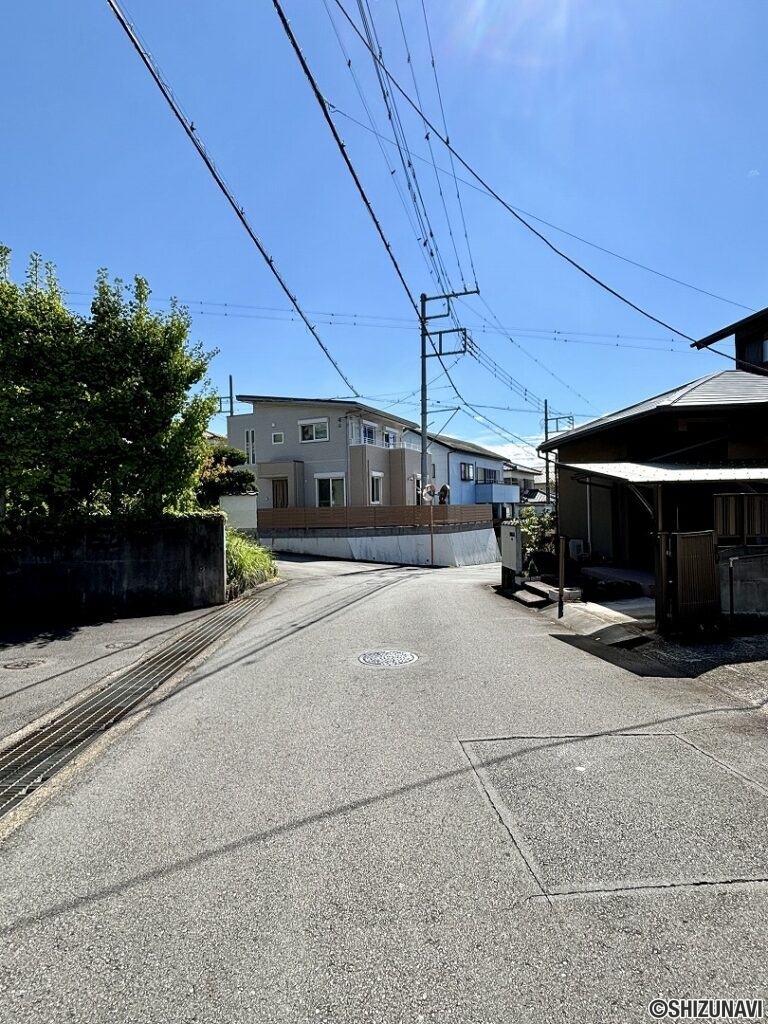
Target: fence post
(431,536)
(730,592)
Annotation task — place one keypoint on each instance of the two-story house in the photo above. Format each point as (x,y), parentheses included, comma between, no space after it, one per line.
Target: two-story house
(326,453)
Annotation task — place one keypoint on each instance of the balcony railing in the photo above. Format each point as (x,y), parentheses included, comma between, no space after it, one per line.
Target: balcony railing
(497,493)
(410,445)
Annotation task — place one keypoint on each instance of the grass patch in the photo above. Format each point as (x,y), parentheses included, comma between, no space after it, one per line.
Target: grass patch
(248,564)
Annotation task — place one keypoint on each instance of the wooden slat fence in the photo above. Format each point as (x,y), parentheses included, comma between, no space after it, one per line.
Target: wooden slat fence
(353,518)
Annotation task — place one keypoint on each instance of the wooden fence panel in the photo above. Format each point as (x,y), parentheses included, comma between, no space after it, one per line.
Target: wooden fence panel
(367,517)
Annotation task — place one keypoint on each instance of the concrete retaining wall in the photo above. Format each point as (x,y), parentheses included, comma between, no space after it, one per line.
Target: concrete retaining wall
(454,545)
(108,569)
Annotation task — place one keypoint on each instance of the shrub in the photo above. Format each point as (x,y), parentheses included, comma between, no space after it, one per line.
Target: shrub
(538,530)
(248,564)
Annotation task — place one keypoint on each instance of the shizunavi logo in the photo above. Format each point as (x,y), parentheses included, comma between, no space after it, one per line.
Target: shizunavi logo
(706,1009)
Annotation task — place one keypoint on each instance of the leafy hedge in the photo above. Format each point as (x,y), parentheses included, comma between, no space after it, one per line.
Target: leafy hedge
(248,564)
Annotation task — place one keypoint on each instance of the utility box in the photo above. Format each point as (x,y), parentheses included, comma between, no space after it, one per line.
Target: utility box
(511,553)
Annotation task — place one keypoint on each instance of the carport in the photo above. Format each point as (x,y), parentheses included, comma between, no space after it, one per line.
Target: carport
(668,520)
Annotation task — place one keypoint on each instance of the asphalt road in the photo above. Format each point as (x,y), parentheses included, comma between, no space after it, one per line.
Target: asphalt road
(506,829)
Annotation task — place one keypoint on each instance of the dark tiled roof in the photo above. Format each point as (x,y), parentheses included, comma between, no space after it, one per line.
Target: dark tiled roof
(727,387)
(467,446)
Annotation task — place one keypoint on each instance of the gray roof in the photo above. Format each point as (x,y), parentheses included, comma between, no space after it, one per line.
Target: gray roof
(465,446)
(727,387)
(348,403)
(656,473)
(351,403)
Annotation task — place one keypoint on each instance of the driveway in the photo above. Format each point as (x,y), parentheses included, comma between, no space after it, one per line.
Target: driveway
(478,822)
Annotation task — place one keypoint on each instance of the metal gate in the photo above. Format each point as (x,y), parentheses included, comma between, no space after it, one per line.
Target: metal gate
(688,582)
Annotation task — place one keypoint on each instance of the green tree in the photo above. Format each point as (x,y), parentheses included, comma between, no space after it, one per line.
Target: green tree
(97,415)
(220,474)
(537,528)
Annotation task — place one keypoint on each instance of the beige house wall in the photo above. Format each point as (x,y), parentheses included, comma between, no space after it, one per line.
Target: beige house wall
(293,471)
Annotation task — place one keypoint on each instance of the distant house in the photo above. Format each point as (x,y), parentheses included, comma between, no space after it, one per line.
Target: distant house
(329,453)
(521,476)
(341,479)
(537,499)
(648,482)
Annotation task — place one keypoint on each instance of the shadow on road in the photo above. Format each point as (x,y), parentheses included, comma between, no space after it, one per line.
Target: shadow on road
(671,659)
(40,636)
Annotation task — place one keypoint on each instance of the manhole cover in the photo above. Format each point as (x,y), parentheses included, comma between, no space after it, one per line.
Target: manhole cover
(387,658)
(24,663)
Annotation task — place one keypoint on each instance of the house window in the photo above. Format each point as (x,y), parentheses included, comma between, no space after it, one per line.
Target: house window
(330,491)
(250,447)
(369,433)
(390,439)
(487,476)
(278,437)
(313,430)
(467,470)
(376,479)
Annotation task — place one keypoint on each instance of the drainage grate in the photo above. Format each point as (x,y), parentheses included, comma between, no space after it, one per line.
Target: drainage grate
(388,658)
(34,759)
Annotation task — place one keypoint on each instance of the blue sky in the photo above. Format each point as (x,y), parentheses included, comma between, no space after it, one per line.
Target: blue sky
(637,126)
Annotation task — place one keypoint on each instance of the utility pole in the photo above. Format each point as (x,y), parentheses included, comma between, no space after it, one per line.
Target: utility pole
(546,438)
(439,351)
(423,323)
(556,420)
(228,401)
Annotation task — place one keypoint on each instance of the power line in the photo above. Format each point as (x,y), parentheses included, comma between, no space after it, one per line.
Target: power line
(525,352)
(337,139)
(395,120)
(556,227)
(427,239)
(429,144)
(500,374)
(491,191)
(393,323)
(191,133)
(373,128)
(421,211)
(496,428)
(445,130)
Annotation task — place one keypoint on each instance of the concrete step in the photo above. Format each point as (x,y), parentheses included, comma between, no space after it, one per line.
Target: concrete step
(529,599)
(550,592)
